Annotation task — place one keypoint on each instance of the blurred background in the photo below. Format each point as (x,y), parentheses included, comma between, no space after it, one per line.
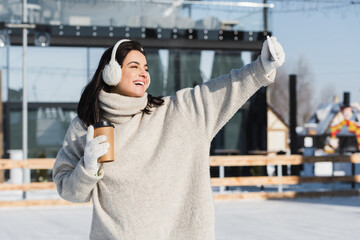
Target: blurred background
(50,50)
(309,118)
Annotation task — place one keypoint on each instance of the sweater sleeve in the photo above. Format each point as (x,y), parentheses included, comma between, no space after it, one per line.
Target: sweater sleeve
(212,104)
(73,182)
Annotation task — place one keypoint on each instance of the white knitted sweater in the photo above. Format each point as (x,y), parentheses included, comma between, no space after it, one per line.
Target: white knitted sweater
(158,187)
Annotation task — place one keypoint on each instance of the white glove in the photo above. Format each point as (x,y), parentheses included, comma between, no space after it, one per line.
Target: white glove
(270,62)
(94,148)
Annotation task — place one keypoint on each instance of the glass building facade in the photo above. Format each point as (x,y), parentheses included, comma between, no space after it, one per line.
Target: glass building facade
(55,88)
(210,14)
(217,38)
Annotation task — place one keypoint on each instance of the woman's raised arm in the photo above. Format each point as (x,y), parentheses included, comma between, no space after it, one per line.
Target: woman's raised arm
(213,103)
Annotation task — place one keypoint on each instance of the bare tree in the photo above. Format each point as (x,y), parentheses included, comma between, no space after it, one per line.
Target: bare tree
(306,102)
(279,92)
(328,94)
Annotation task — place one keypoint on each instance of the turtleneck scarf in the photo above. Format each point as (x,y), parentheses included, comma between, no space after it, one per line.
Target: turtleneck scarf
(120,109)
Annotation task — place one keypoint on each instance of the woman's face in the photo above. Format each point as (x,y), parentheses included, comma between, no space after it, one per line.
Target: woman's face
(134,75)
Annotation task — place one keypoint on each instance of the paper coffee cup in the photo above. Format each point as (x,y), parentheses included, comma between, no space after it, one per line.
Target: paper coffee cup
(105,128)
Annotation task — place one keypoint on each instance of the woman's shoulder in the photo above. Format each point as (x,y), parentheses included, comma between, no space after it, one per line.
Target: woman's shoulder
(77,126)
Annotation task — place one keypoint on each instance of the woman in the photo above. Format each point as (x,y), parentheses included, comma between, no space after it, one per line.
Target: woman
(158,187)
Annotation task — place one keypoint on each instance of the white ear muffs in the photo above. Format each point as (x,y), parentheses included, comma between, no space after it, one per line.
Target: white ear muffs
(111,73)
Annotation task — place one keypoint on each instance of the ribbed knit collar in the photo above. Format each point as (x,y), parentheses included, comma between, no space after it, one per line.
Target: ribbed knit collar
(118,108)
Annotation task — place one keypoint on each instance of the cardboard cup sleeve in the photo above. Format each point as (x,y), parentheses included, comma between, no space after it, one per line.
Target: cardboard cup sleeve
(106,128)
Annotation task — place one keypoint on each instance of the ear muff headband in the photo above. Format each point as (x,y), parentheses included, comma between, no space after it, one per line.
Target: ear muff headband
(111,73)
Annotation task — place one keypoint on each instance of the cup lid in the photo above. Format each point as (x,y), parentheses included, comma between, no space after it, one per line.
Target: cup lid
(103,124)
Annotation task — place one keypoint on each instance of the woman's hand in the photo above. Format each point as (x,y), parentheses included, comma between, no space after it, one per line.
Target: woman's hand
(270,62)
(94,148)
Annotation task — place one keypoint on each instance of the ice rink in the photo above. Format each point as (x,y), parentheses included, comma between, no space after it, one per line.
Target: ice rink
(321,218)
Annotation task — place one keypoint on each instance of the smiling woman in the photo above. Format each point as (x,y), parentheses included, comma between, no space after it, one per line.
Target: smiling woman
(158,186)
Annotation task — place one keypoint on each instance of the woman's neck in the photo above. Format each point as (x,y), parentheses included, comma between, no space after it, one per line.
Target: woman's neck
(118,108)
